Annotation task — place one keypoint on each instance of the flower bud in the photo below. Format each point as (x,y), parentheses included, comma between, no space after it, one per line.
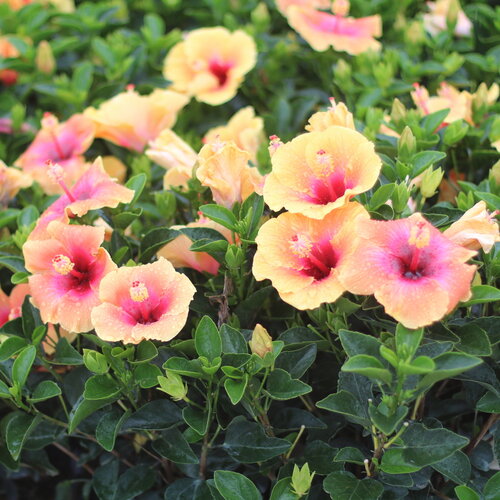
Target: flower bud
(430,182)
(261,342)
(45,61)
(172,384)
(407,144)
(260,17)
(398,111)
(301,479)
(452,14)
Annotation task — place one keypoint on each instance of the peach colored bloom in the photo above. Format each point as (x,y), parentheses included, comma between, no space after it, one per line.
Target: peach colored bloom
(63,143)
(244,128)
(336,114)
(318,172)
(16,4)
(115,168)
(95,189)
(210,63)
(144,302)
(303,257)
(67,269)
(179,254)
(132,120)
(175,155)
(435,20)
(225,170)
(477,228)
(415,272)
(459,103)
(11,181)
(8,50)
(345,34)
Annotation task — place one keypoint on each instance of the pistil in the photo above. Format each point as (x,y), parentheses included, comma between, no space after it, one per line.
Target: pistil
(326,162)
(64,265)
(419,238)
(56,174)
(139,293)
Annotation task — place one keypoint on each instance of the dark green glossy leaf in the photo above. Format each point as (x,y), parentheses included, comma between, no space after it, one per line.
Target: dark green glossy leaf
(45,390)
(281,386)
(234,486)
(173,446)
(108,427)
(344,486)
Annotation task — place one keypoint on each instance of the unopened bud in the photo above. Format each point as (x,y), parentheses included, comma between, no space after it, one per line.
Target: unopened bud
(398,111)
(173,385)
(301,479)
(407,144)
(452,14)
(430,181)
(45,60)
(261,342)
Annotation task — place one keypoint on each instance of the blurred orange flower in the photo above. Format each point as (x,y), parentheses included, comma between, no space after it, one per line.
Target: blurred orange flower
(318,172)
(8,50)
(244,128)
(67,269)
(345,34)
(225,170)
(150,301)
(303,257)
(477,228)
(179,254)
(11,181)
(415,272)
(210,63)
(442,11)
(63,143)
(132,120)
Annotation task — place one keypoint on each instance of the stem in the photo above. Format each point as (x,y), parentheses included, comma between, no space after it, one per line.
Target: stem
(397,435)
(289,452)
(73,457)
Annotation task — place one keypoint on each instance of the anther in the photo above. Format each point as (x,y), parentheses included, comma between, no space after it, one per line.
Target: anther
(139,291)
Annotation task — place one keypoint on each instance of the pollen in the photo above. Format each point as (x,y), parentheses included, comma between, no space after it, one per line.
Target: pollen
(54,171)
(325,160)
(419,236)
(139,291)
(300,245)
(62,264)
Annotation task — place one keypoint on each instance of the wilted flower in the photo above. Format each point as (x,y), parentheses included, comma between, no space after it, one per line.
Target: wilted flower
(175,155)
(179,254)
(210,63)
(244,128)
(444,11)
(11,181)
(7,50)
(415,272)
(477,228)
(318,172)
(336,114)
(132,120)
(303,257)
(448,97)
(67,268)
(63,143)
(322,29)
(261,342)
(150,301)
(95,189)
(225,170)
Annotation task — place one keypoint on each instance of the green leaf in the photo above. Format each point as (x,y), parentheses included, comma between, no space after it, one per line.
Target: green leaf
(207,339)
(423,160)
(342,402)
(108,427)
(83,408)
(18,278)
(351,455)
(11,346)
(66,354)
(455,467)
(232,340)
(17,430)
(344,486)
(355,343)
(407,341)
(369,366)
(393,462)
(281,386)
(432,121)
(251,213)
(481,294)
(384,420)
(197,419)
(297,361)
(186,367)
(100,387)
(30,317)
(155,415)
(466,493)
(489,403)
(236,389)
(419,366)
(246,442)
(473,340)
(448,365)
(234,486)
(154,240)
(4,390)
(380,196)
(146,375)
(45,390)
(12,262)
(135,481)
(282,490)
(492,487)
(173,446)
(22,365)
(492,200)
(221,215)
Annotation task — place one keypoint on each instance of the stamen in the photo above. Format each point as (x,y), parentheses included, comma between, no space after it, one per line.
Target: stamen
(62,264)
(274,143)
(326,161)
(139,291)
(300,245)
(217,145)
(419,238)
(56,175)
(333,104)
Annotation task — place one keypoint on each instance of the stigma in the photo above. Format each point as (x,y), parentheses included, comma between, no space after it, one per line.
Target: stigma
(138,291)
(62,264)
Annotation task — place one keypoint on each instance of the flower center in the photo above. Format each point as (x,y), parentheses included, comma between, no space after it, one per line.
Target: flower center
(145,312)
(220,69)
(138,291)
(317,259)
(64,265)
(419,238)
